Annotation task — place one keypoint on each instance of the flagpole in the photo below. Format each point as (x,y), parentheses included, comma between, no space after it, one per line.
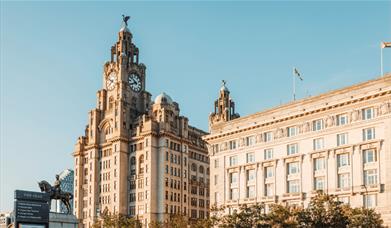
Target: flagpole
(294,84)
(381,61)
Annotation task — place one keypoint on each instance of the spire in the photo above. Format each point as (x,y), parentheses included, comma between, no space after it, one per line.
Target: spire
(224,106)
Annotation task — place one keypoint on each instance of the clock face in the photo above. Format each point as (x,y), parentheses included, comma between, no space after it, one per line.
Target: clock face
(111,80)
(134,82)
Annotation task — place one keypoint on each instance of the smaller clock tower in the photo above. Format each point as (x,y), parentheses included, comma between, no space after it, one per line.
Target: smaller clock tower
(224,107)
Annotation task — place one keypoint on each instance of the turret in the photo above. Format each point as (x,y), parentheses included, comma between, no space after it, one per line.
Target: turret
(224,107)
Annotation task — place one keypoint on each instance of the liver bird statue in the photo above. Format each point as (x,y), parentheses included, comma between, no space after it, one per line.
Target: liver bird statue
(125,19)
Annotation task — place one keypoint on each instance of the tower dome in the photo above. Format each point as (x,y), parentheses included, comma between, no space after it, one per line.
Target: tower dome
(124,29)
(163,98)
(224,87)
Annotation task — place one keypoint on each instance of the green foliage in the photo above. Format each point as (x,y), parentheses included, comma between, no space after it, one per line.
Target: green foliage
(323,211)
(363,217)
(108,220)
(282,216)
(175,221)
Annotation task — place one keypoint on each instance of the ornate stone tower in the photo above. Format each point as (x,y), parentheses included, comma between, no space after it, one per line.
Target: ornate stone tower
(102,154)
(138,158)
(224,107)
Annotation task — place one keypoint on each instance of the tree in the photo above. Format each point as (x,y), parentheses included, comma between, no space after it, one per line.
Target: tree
(202,223)
(282,216)
(108,220)
(363,217)
(175,221)
(323,211)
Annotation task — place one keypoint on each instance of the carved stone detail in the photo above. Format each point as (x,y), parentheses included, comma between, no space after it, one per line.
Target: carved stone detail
(355,115)
(385,108)
(329,121)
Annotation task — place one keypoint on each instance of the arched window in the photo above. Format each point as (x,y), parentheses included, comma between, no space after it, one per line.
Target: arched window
(141,164)
(194,167)
(207,171)
(111,102)
(141,159)
(201,169)
(133,161)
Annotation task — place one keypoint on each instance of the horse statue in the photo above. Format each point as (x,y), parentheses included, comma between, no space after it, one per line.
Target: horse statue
(65,197)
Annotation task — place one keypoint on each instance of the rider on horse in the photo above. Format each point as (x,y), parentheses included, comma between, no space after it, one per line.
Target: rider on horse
(57,186)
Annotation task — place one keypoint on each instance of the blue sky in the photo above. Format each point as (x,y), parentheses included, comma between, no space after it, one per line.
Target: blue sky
(52,56)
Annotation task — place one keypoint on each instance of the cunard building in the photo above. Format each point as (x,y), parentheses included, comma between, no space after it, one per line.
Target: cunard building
(138,157)
(338,142)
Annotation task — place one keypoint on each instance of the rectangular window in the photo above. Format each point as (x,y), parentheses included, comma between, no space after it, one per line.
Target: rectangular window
(342,160)
(368,134)
(369,156)
(293,186)
(319,183)
(342,119)
(234,194)
(216,179)
(250,157)
(250,175)
(233,178)
(140,209)
(317,125)
(268,154)
(370,177)
(216,163)
(292,131)
(233,160)
(344,180)
(342,139)
(292,149)
(268,136)
(250,140)
(141,196)
(269,171)
(318,144)
(370,201)
(215,148)
(269,189)
(217,197)
(250,193)
(319,164)
(293,168)
(367,113)
(232,144)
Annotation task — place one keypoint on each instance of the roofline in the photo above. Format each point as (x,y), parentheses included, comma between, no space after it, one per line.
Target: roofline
(303,101)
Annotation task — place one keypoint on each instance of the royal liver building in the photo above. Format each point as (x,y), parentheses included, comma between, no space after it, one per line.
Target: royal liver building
(138,157)
(338,142)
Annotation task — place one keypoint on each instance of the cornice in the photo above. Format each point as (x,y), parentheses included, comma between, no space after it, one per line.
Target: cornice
(285,119)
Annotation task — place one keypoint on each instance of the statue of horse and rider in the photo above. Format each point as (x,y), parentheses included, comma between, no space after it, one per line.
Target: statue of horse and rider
(56,193)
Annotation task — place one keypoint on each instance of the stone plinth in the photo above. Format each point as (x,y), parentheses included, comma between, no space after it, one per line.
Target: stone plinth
(60,220)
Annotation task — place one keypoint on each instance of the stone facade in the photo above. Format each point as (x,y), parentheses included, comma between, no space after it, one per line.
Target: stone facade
(338,142)
(138,157)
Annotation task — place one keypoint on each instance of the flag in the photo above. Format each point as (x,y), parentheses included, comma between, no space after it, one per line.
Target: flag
(385,45)
(297,73)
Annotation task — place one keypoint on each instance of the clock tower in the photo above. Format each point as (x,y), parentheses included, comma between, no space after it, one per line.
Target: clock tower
(135,156)
(102,155)
(124,77)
